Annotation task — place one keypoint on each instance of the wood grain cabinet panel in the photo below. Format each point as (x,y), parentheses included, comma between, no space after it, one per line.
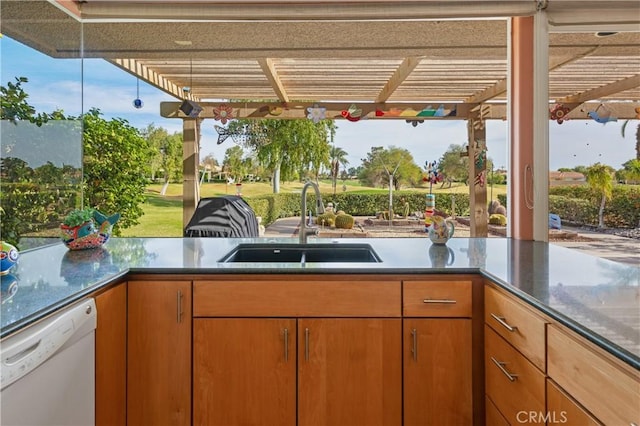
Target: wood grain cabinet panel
(438,298)
(349,372)
(493,415)
(111,357)
(159,353)
(513,383)
(561,408)
(244,372)
(314,297)
(437,372)
(517,324)
(606,388)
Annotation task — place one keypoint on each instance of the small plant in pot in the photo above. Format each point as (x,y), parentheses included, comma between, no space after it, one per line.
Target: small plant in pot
(86,228)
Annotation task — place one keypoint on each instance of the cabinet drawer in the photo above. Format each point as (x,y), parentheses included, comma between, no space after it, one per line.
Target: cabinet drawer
(437,299)
(607,390)
(517,324)
(311,298)
(513,383)
(563,409)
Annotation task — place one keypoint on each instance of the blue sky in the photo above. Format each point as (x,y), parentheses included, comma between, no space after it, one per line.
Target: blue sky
(55,84)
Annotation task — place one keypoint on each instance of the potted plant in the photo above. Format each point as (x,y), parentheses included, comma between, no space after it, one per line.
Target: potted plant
(86,228)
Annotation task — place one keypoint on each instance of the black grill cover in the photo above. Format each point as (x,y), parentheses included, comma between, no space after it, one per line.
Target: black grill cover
(225,216)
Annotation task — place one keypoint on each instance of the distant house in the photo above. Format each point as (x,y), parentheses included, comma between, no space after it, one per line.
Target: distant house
(566,178)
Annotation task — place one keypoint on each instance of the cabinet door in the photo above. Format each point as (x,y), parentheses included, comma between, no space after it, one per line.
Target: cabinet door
(111,357)
(437,372)
(349,372)
(561,408)
(159,353)
(244,372)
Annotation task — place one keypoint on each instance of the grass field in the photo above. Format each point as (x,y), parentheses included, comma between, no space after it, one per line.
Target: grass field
(163,214)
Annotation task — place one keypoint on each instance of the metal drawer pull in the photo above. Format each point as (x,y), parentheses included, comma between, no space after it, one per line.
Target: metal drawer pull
(306,344)
(179,307)
(414,349)
(450,301)
(500,365)
(286,344)
(502,322)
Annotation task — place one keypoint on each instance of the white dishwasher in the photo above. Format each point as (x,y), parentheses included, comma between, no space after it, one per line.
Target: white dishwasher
(48,370)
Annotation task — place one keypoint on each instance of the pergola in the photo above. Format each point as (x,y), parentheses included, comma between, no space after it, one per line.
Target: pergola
(409,60)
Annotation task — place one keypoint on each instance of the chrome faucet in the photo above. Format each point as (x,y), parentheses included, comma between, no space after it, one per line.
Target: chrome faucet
(304,231)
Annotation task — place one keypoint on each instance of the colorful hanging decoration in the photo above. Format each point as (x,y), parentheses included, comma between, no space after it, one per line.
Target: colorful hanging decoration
(602,116)
(316,113)
(480,178)
(223,113)
(559,113)
(637,110)
(137,102)
(352,114)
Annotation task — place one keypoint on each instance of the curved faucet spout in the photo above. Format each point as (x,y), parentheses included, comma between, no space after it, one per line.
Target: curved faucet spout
(304,231)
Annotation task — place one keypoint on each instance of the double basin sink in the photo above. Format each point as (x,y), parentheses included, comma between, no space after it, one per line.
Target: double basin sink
(301,253)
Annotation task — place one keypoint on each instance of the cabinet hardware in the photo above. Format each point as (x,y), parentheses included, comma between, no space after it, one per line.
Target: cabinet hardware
(306,344)
(179,307)
(414,348)
(286,344)
(448,301)
(512,377)
(503,323)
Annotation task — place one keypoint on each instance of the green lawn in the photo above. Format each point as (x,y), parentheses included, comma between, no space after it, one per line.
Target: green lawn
(163,215)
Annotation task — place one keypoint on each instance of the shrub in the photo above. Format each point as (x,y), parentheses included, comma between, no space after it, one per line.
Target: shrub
(344,221)
(498,219)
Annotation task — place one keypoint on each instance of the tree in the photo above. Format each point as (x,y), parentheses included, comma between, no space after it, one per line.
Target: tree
(630,171)
(235,163)
(338,158)
(453,165)
(116,166)
(14,106)
(600,179)
(287,148)
(166,154)
(622,130)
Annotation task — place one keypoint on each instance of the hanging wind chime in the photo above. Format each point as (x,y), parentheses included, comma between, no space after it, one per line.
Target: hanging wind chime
(137,102)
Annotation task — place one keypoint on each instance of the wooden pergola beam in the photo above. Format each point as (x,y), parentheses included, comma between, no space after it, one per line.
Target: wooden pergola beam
(153,78)
(271,73)
(609,89)
(399,76)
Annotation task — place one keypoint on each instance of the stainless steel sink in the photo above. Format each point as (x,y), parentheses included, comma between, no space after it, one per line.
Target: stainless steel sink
(301,253)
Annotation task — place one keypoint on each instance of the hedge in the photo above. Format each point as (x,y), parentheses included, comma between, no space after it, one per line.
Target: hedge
(580,205)
(275,206)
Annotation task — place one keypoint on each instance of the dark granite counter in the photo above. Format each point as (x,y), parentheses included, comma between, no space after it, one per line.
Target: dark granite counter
(597,298)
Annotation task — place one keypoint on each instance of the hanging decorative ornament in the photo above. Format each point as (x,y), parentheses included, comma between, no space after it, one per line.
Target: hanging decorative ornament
(604,116)
(316,113)
(223,113)
(352,114)
(137,102)
(559,113)
(414,123)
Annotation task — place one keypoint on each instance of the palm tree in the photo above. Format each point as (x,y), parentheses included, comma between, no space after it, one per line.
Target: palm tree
(600,179)
(338,157)
(624,126)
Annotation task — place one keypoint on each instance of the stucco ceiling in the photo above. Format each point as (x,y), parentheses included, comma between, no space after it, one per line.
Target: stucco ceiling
(295,51)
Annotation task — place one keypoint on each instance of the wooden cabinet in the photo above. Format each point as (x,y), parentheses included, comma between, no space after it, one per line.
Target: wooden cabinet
(515,359)
(339,364)
(607,388)
(159,353)
(437,372)
(438,377)
(350,372)
(244,371)
(111,356)
(562,408)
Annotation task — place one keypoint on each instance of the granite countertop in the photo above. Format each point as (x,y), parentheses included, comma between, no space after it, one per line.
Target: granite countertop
(597,298)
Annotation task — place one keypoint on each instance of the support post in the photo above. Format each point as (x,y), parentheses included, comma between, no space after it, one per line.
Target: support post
(190,161)
(477,176)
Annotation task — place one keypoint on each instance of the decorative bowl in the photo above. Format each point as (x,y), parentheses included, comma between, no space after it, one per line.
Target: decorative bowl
(91,234)
(8,257)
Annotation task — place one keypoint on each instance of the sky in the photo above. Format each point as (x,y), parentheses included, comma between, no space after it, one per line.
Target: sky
(56,84)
